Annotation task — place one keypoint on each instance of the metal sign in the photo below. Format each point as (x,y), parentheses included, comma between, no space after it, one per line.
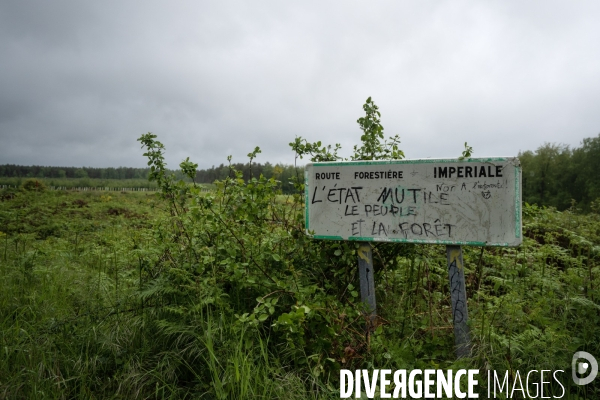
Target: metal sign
(475,201)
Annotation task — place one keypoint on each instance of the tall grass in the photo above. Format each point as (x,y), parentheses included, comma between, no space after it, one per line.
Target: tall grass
(83,312)
(74,323)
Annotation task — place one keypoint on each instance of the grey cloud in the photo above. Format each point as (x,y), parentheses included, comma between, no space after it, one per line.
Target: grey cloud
(81,81)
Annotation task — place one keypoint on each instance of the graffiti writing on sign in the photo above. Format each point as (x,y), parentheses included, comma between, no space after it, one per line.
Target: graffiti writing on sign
(474,201)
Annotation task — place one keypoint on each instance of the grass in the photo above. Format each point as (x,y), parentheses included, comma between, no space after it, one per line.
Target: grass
(79,315)
(72,324)
(66,269)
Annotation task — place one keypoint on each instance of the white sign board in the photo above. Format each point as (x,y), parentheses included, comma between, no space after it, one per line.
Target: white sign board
(475,201)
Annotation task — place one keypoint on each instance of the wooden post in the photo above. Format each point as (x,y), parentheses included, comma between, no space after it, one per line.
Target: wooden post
(367,282)
(458,293)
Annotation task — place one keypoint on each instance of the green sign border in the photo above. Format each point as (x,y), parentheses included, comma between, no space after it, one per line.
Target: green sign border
(518,227)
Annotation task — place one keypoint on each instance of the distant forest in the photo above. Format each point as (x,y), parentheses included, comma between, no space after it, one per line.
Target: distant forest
(281,172)
(556,175)
(553,175)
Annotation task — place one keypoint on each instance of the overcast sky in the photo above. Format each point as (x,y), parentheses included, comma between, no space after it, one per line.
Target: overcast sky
(81,81)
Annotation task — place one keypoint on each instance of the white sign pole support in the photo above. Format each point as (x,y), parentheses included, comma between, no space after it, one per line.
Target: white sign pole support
(367,283)
(458,295)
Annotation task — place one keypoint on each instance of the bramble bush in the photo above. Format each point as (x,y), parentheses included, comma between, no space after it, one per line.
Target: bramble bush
(241,252)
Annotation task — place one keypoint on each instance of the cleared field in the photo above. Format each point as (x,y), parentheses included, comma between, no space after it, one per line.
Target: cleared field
(87,184)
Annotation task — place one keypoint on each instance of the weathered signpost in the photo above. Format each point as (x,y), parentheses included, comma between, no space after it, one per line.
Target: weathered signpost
(473,202)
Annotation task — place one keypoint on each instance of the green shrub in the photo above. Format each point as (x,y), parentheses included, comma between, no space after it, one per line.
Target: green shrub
(34,185)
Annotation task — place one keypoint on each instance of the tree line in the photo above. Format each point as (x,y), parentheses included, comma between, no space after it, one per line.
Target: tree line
(563,177)
(553,175)
(281,172)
